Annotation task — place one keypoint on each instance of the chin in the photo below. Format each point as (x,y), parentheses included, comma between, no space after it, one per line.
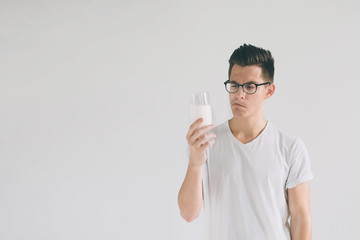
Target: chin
(239,114)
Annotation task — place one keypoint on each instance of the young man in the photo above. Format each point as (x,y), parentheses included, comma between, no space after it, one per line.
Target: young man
(255,176)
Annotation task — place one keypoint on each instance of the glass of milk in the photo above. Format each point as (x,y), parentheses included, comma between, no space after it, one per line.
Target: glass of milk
(200,108)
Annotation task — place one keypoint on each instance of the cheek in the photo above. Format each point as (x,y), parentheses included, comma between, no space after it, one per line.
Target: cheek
(254,102)
(258,103)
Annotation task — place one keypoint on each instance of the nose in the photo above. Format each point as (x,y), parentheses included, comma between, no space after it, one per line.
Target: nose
(240,93)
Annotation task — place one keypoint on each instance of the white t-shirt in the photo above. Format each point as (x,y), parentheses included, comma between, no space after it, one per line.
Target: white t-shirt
(245,185)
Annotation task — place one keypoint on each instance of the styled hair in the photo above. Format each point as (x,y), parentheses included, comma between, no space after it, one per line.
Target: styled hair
(247,55)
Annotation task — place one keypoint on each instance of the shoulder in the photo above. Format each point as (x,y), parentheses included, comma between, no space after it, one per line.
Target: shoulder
(222,137)
(288,141)
(283,136)
(220,129)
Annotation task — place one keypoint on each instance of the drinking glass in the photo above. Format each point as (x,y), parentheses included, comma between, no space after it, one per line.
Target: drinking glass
(200,108)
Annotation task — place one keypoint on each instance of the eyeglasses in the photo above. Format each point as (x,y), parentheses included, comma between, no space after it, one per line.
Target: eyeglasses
(248,88)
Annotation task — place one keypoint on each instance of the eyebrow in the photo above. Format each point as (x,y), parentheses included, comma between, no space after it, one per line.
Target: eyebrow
(251,81)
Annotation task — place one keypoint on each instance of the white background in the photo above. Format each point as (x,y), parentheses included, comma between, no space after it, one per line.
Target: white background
(94,108)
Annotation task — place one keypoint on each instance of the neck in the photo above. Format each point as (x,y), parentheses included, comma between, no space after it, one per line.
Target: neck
(247,129)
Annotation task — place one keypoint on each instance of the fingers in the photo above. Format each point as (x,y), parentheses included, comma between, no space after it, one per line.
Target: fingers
(199,137)
(203,138)
(199,132)
(207,144)
(193,127)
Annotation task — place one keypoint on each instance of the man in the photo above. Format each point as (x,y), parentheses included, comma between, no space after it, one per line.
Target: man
(254,177)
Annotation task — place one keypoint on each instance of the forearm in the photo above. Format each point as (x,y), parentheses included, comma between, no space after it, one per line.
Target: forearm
(301,228)
(190,194)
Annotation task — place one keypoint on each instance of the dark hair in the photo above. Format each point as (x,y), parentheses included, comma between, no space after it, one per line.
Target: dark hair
(247,55)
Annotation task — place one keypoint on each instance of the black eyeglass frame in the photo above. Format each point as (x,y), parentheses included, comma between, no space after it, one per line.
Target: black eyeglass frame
(242,86)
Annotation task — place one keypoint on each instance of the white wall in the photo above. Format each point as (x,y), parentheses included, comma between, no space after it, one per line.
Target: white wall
(94,108)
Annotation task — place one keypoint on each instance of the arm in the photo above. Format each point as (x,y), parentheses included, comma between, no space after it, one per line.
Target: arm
(190,194)
(299,205)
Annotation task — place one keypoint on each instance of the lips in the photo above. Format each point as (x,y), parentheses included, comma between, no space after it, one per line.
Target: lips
(239,105)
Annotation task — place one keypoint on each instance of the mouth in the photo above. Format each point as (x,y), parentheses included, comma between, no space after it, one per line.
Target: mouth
(238,105)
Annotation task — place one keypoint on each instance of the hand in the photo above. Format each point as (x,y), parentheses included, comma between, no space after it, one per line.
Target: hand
(196,138)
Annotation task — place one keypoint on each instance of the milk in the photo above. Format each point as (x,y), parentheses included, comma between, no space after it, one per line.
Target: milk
(200,111)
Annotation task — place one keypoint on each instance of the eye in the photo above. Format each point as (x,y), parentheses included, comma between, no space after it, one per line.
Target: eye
(250,86)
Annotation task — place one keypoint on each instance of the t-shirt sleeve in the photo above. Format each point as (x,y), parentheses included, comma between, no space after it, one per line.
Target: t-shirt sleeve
(300,166)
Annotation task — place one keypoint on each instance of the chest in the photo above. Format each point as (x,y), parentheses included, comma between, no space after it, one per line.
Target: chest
(263,166)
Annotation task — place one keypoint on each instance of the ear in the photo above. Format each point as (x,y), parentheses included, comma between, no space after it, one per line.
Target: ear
(270,90)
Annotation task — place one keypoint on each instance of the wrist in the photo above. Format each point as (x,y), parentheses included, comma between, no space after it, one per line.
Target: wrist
(195,166)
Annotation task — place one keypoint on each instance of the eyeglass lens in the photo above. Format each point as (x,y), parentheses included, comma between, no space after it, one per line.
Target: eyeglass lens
(249,88)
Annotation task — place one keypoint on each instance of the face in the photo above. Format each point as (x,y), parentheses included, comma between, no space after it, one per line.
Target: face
(245,105)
